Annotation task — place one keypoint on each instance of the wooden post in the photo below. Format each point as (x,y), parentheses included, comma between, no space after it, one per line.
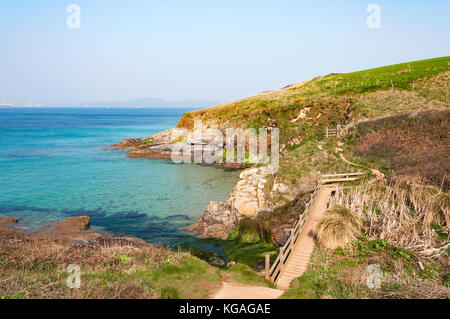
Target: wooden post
(327,133)
(267,266)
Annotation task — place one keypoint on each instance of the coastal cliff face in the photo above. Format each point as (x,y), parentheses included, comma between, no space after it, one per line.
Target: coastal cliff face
(253,198)
(246,201)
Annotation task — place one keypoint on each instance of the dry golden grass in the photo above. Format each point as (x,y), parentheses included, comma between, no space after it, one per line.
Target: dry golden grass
(402,213)
(32,267)
(338,227)
(435,88)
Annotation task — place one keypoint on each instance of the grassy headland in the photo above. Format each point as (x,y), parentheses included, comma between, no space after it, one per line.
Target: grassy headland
(387,136)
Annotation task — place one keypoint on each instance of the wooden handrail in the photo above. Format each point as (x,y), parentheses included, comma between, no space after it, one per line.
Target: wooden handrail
(344,174)
(285,251)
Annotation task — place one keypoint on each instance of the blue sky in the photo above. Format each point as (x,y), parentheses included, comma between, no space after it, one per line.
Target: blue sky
(203,50)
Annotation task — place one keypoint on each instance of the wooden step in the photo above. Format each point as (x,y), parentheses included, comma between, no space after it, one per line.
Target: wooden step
(297,269)
(296,273)
(301,255)
(298,264)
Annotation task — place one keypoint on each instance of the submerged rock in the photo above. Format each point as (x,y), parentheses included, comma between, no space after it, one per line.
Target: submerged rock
(5,221)
(73,228)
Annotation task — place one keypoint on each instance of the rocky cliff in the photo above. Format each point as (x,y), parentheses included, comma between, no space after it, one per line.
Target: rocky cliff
(246,201)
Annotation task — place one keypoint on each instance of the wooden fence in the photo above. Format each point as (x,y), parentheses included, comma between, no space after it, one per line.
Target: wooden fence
(339,130)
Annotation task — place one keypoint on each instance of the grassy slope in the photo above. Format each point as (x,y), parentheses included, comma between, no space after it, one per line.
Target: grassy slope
(342,274)
(110,271)
(330,100)
(334,93)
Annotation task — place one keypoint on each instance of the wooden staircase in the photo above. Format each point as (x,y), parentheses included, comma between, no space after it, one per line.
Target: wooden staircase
(299,258)
(294,256)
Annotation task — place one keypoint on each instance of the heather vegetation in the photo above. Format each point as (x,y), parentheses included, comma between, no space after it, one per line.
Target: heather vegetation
(408,145)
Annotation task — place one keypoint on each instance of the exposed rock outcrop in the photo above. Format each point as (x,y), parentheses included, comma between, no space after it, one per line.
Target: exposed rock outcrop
(129,142)
(217,221)
(156,146)
(71,224)
(246,200)
(205,145)
(71,229)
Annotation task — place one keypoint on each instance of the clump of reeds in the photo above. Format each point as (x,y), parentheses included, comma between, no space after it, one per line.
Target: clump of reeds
(338,227)
(441,208)
(401,212)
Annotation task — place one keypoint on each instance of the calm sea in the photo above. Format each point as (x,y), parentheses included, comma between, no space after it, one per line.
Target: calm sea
(53,165)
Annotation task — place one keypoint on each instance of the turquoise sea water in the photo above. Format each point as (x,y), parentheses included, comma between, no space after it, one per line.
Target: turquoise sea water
(54,165)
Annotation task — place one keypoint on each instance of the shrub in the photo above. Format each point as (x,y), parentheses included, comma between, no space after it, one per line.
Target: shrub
(337,228)
(299,100)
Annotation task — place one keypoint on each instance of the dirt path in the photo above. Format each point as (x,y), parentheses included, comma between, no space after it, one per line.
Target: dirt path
(236,291)
(377,173)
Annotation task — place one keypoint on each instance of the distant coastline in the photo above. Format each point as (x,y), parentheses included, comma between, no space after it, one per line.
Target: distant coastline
(138,103)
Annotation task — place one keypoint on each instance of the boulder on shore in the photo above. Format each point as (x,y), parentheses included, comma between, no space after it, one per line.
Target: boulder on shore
(217,221)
